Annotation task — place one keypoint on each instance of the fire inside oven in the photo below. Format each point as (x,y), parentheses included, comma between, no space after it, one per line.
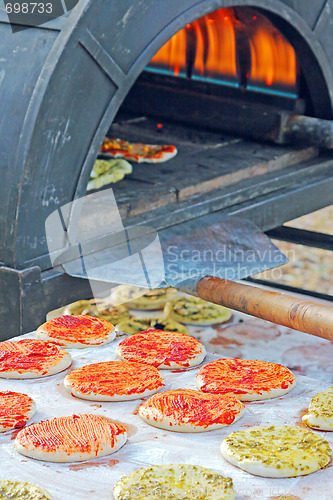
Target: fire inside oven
(232,54)
(229,72)
(237,47)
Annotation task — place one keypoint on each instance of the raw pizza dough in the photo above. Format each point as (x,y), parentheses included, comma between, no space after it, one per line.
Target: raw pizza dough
(137,325)
(174,482)
(138,152)
(71,439)
(320,413)
(248,380)
(142,298)
(196,311)
(276,451)
(184,410)
(78,331)
(15,410)
(114,381)
(17,490)
(98,308)
(168,350)
(30,358)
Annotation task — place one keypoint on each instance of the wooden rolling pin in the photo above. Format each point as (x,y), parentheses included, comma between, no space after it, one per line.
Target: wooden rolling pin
(285,310)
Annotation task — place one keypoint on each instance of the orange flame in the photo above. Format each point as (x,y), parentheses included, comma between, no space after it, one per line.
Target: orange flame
(273,59)
(172,55)
(209,47)
(221,53)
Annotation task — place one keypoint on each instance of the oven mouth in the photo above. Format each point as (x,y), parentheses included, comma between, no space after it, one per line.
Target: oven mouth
(224,78)
(236,47)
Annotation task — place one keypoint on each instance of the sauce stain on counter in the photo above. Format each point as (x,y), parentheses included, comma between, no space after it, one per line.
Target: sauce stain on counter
(102,463)
(300,422)
(220,340)
(252,330)
(97,406)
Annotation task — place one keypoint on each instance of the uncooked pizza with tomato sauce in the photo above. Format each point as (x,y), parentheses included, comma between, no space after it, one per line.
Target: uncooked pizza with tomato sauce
(168,350)
(78,331)
(185,410)
(114,381)
(248,380)
(15,410)
(75,438)
(30,358)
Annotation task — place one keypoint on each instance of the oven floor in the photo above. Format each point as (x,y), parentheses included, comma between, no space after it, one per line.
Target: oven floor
(206,161)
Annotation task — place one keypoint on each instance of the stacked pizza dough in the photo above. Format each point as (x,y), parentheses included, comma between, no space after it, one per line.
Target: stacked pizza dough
(223,385)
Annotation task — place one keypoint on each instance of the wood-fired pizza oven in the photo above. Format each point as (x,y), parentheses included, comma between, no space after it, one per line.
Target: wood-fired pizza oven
(65,83)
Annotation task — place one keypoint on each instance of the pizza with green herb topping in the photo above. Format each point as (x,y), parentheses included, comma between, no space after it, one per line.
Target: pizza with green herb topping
(276,451)
(174,482)
(196,311)
(137,325)
(142,298)
(320,413)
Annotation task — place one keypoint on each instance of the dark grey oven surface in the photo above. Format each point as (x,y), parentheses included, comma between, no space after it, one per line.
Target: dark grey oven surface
(66,84)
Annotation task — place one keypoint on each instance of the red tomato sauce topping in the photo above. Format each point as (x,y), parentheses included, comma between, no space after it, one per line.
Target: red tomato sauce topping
(114,378)
(29,355)
(184,406)
(158,347)
(74,434)
(14,409)
(240,376)
(136,151)
(77,328)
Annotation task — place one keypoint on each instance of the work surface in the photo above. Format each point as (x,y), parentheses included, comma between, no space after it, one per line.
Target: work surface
(244,337)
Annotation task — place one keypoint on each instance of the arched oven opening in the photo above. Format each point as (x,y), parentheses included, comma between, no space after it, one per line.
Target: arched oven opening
(221,90)
(238,53)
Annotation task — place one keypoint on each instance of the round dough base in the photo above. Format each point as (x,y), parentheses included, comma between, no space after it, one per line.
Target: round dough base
(276,451)
(247,380)
(63,361)
(15,410)
(196,311)
(21,491)
(320,413)
(91,432)
(185,410)
(133,326)
(98,308)
(114,381)
(175,481)
(156,348)
(142,299)
(77,331)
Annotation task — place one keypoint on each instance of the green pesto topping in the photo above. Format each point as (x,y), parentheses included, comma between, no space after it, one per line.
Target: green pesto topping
(194,309)
(174,482)
(280,447)
(16,490)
